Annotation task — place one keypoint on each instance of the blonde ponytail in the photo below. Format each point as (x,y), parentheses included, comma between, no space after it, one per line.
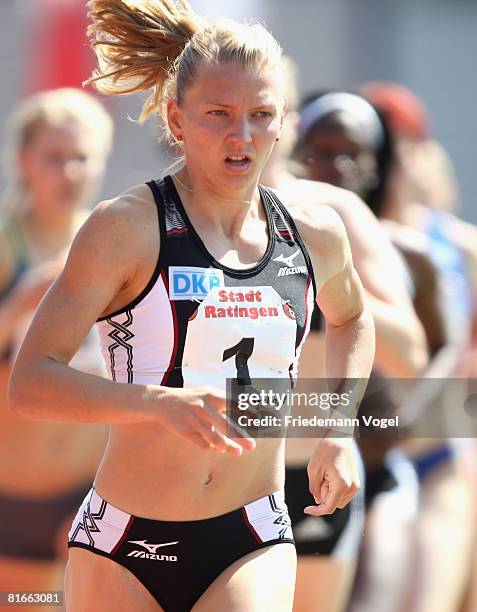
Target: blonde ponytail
(157,46)
(137,43)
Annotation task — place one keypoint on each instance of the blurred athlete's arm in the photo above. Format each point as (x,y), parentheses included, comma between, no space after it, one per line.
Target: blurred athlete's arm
(7,262)
(401,348)
(24,298)
(349,346)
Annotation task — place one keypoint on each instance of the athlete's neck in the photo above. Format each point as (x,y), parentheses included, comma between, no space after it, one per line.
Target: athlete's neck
(226,211)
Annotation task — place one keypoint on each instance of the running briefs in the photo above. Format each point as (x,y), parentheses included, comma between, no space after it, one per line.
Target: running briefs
(178,560)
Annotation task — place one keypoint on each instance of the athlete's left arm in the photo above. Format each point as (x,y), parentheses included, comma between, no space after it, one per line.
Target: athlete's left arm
(349,346)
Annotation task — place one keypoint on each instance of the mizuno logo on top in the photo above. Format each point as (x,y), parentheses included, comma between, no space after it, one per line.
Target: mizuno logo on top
(289,268)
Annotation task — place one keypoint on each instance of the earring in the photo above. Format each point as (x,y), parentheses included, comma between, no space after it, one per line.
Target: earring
(179,138)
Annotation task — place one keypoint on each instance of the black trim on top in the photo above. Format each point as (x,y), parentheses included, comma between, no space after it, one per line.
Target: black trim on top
(157,270)
(121,334)
(282,208)
(243,272)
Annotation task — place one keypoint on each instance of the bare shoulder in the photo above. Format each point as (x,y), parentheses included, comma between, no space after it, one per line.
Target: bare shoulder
(311,207)
(305,192)
(312,194)
(406,237)
(127,213)
(119,233)
(370,245)
(128,209)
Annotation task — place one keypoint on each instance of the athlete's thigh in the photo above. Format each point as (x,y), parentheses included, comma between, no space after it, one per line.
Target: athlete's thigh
(323,583)
(262,580)
(96,584)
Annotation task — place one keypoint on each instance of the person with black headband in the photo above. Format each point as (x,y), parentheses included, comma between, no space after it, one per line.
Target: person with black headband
(327,547)
(445,528)
(344,141)
(341,127)
(339,135)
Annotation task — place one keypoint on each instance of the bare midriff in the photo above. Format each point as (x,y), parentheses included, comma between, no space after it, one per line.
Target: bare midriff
(150,472)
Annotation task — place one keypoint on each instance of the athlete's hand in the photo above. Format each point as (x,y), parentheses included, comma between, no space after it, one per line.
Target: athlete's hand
(333,475)
(198,415)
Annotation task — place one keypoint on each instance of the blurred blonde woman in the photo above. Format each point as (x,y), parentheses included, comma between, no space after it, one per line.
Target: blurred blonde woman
(58,143)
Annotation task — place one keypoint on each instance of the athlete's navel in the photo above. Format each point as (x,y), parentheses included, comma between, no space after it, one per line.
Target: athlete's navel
(209,480)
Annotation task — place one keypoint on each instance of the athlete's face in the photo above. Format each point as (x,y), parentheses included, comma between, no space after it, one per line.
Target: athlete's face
(229,120)
(59,168)
(336,151)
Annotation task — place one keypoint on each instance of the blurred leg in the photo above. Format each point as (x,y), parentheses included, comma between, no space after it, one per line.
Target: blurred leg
(322,584)
(385,563)
(445,540)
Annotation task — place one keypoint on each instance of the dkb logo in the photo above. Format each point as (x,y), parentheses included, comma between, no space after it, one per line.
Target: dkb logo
(192,283)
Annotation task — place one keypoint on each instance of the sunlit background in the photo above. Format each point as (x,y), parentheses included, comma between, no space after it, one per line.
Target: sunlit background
(428,45)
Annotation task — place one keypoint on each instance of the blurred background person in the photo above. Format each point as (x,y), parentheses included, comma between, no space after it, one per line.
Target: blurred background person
(340,143)
(344,141)
(423,194)
(327,546)
(338,136)
(57,147)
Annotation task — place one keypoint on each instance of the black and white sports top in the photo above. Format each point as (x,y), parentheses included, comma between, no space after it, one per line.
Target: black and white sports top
(198,322)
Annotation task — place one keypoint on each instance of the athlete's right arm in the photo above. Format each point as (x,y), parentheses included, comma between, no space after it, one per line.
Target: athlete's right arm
(103,264)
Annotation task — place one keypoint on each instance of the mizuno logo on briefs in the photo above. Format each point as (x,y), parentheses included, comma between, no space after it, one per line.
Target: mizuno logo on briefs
(152,548)
(152,551)
(192,283)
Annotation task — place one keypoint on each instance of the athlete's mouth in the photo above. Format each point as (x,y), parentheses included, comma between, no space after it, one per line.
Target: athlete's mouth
(238,161)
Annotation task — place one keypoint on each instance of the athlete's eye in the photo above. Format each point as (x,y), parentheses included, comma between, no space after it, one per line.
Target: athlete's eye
(263,114)
(217,112)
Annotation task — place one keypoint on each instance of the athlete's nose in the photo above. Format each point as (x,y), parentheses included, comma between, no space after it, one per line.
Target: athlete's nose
(240,131)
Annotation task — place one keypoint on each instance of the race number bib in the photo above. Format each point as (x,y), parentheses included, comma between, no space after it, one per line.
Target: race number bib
(241,333)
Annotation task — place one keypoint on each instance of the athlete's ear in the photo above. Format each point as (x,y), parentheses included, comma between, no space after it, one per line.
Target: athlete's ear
(285,108)
(282,116)
(174,119)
